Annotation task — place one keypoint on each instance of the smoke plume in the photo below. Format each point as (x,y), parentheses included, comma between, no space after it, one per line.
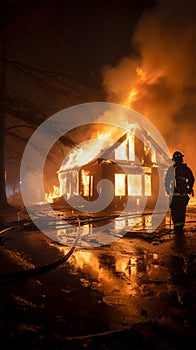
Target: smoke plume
(160,82)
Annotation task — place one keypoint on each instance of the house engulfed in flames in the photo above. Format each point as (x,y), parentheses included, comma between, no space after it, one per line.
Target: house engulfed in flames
(133,164)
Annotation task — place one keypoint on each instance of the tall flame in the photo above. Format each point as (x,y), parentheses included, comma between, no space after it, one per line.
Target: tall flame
(89,150)
(142,82)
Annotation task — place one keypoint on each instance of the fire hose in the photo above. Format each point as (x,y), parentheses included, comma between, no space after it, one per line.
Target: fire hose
(32,272)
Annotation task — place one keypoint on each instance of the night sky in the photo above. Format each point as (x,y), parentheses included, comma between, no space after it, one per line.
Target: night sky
(62,53)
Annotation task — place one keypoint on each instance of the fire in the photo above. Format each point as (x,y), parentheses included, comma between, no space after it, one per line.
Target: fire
(131,98)
(89,150)
(141,74)
(106,280)
(103,135)
(87,183)
(53,194)
(134,184)
(86,152)
(130,184)
(120,184)
(126,151)
(147,182)
(143,81)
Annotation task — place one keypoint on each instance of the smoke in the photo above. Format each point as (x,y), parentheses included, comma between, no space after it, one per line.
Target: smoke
(160,82)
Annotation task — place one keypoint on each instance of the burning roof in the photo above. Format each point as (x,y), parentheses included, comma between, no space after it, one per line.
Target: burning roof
(103,146)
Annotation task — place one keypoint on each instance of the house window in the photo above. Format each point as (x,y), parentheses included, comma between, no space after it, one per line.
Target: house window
(75,183)
(120,184)
(121,152)
(63,186)
(68,183)
(126,150)
(154,158)
(87,181)
(134,185)
(147,185)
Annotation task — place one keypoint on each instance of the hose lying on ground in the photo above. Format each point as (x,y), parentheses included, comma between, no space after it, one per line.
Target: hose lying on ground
(30,273)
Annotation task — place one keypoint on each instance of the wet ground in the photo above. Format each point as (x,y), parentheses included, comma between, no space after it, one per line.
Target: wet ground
(136,293)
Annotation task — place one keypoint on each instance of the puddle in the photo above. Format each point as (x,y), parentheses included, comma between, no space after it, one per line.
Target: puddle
(140,278)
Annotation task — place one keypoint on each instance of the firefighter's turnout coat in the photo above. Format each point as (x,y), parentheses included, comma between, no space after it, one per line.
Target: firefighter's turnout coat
(179,182)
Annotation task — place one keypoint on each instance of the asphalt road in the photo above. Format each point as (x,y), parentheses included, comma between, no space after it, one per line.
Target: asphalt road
(135,293)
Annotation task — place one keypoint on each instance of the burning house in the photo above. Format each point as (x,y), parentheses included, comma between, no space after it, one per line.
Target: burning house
(133,164)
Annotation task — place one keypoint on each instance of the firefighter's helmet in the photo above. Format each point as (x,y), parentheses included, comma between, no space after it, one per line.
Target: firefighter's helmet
(177,155)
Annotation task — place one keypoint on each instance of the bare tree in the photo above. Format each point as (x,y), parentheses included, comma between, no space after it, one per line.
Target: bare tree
(30,93)
(3,89)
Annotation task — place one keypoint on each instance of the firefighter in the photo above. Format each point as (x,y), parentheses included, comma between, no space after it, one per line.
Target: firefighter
(179,182)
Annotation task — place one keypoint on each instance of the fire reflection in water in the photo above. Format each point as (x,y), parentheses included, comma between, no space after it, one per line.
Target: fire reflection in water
(82,234)
(119,225)
(116,279)
(128,267)
(114,273)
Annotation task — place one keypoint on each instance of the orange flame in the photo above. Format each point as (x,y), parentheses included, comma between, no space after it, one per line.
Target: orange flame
(50,196)
(89,150)
(143,81)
